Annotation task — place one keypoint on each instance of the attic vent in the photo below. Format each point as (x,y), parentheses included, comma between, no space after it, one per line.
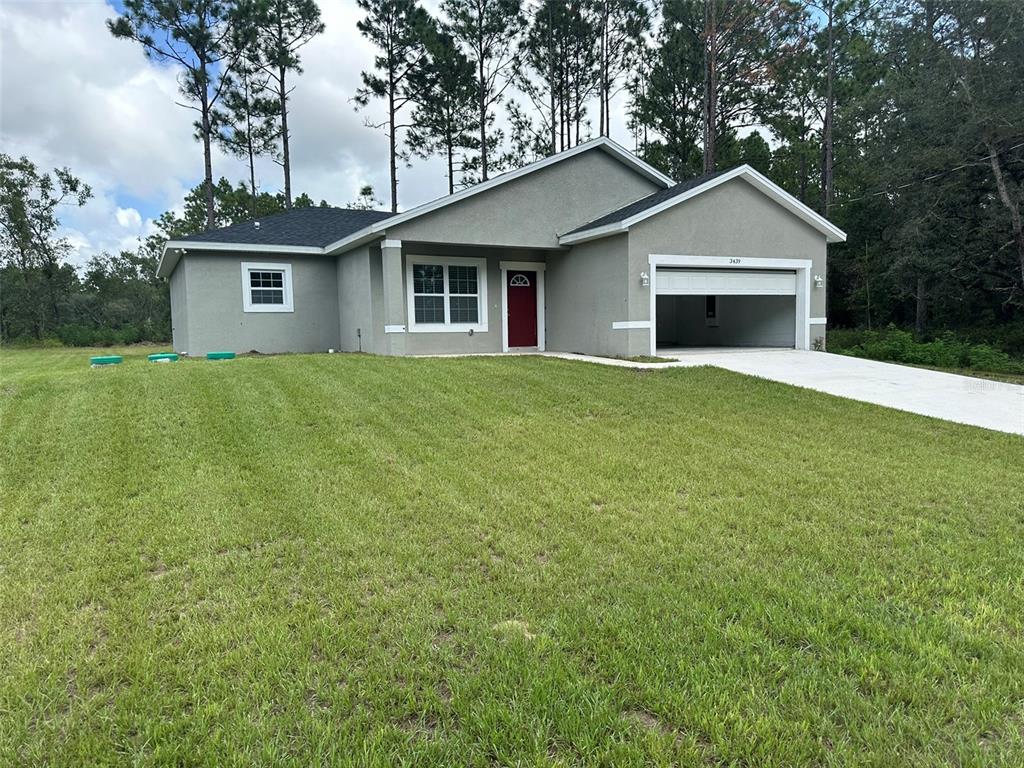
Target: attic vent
(256,224)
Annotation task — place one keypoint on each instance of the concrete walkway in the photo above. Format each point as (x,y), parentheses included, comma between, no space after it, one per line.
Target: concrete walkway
(963,399)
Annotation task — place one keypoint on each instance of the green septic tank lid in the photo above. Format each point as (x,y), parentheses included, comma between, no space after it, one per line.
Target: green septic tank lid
(105,360)
(159,357)
(220,355)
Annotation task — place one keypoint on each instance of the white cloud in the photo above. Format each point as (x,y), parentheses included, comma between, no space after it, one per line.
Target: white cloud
(128,218)
(73,95)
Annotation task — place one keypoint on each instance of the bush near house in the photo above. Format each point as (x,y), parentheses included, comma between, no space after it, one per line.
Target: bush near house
(948,350)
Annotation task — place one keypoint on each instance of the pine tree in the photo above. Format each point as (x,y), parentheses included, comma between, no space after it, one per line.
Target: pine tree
(246,122)
(282,28)
(620,26)
(488,31)
(398,29)
(198,36)
(445,92)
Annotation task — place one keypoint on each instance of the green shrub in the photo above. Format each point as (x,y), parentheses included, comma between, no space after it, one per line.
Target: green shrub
(982,357)
(945,351)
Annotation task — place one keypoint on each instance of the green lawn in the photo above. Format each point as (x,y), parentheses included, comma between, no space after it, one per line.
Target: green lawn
(339,559)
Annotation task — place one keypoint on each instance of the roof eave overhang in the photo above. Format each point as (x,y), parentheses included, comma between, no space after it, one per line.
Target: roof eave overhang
(174,249)
(832,233)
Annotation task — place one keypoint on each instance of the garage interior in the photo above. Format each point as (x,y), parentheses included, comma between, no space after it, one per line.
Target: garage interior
(727,308)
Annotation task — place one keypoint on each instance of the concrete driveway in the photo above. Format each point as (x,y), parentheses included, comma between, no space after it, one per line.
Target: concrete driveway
(980,402)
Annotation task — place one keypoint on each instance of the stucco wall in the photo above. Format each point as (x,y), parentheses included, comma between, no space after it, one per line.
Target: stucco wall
(586,293)
(355,303)
(461,343)
(215,320)
(743,321)
(733,219)
(530,212)
(179,310)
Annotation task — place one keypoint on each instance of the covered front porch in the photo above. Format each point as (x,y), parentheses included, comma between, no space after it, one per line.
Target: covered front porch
(451,298)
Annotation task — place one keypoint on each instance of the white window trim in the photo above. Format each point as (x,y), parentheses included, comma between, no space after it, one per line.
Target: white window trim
(522,266)
(262,266)
(447,326)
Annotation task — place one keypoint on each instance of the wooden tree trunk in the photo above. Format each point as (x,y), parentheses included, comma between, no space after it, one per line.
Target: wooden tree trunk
(450,149)
(211,218)
(250,149)
(1012,207)
(392,146)
(710,85)
(827,145)
(286,161)
(482,107)
(921,313)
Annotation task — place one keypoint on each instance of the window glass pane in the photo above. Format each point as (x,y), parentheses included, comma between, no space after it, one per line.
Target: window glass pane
(266,279)
(461,279)
(427,278)
(464,309)
(267,296)
(429,309)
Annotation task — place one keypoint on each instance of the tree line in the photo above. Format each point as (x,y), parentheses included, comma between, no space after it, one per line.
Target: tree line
(900,120)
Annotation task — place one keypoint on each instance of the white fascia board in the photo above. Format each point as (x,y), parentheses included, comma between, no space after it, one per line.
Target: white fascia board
(603,143)
(597,233)
(247,247)
(832,233)
(174,248)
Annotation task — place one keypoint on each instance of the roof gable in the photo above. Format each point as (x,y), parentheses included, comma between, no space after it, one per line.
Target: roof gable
(602,143)
(343,229)
(625,217)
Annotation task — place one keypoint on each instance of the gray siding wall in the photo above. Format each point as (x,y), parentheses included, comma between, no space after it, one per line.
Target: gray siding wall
(530,212)
(215,320)
(731,220)
(586,293)
(743,321)
(179,310)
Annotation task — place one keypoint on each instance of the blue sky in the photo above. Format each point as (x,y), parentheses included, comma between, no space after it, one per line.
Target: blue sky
(72,95)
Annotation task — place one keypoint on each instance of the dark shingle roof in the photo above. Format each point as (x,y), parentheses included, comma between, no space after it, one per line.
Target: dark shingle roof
(646,202)
(314,227)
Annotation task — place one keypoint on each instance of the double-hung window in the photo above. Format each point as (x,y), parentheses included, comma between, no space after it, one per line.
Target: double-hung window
(266,287)
(447,294)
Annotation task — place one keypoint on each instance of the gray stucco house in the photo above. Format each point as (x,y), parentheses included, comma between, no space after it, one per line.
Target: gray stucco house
(591,250)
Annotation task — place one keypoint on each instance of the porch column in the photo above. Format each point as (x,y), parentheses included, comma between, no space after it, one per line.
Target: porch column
(394,298)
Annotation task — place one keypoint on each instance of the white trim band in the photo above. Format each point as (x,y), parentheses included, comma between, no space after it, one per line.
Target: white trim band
(818,321)
(623,325)
(525,266)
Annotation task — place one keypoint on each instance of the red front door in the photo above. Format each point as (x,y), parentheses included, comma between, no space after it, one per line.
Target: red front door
(522,308)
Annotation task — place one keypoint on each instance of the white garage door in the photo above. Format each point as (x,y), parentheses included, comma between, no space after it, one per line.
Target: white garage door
(725,282)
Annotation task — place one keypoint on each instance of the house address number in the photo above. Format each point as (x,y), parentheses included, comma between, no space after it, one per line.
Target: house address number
(735,261)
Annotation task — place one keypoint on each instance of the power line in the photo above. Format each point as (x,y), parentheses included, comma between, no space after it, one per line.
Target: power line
(889,190)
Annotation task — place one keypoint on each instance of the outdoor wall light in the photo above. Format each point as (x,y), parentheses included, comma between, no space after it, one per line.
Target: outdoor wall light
(819,281)
(645,279)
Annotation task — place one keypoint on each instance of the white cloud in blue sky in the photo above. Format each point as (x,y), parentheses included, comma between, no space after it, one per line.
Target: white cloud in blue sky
(72,95)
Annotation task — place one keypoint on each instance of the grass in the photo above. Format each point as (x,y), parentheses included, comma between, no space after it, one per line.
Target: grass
(648,359)
(1009,378)
(343,559)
